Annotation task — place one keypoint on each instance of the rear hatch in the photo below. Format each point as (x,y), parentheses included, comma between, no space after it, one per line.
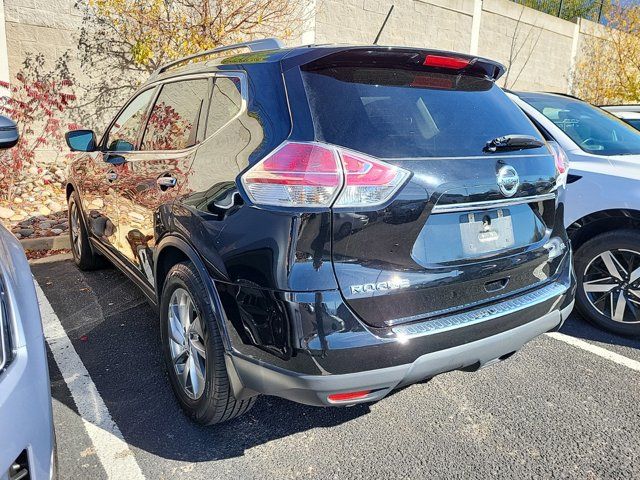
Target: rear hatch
(452,237)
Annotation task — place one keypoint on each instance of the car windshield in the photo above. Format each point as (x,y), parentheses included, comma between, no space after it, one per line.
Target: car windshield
(591,128)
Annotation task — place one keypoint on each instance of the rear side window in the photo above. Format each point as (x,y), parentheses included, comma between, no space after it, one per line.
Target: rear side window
(124,131)
(397,113)
(173,123)
(226,102)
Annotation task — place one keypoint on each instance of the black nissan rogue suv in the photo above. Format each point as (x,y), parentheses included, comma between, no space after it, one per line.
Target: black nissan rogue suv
(326,223)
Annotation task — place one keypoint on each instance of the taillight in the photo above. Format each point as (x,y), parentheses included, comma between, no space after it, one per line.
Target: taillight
(562,164)
(318,175)
(304,174)
(442,61)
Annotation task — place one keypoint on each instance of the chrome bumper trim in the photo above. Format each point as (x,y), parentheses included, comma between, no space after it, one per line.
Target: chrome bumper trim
(484,314)
(489,204)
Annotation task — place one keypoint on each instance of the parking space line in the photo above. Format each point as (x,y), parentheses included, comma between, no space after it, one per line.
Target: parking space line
(113,452)
(597,350)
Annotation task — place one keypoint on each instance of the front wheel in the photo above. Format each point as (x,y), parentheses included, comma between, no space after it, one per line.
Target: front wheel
(193,350)
(608,274)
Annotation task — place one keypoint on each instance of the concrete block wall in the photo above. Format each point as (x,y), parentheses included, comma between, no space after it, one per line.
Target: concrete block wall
(40,26)
(542,42)
(437,23)
(549,46)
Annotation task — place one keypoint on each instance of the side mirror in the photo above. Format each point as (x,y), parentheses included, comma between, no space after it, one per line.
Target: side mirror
(81,140)
(9,135)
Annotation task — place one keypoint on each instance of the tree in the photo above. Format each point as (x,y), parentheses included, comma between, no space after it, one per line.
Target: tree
(37,102)
(122,41)
(569,9)
(609,70)
(525,47)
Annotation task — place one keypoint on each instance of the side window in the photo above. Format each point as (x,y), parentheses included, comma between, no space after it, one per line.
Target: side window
(226,102)
(124,131)
(173,123)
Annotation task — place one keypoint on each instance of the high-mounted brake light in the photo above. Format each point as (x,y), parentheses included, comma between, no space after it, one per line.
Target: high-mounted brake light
(562,164)
(319,175)
(441,61)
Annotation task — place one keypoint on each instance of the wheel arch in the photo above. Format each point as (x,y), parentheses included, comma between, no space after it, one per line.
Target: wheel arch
(603,221)
(172,250)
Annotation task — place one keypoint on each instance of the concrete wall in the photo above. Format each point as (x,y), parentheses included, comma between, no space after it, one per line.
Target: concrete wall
(436,23)
(546,46)
(538,48)
(535,46)
(40,26)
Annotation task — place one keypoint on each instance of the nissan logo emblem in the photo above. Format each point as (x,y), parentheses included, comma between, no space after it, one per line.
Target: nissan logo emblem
(508,180)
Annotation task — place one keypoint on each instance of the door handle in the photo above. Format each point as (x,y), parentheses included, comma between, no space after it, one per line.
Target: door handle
(166,182)
(111,175)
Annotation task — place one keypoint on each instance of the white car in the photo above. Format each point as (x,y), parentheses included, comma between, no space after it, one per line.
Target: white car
(602,204)
(628,113)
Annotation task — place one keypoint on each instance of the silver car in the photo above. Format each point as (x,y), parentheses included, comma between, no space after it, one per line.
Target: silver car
(26,424)
(628,113)
(602,206)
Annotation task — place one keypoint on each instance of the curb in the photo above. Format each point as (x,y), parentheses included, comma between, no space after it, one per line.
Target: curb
(60,257)
(46,243)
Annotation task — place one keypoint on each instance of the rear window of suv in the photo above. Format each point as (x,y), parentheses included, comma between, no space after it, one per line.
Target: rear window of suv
(397,113)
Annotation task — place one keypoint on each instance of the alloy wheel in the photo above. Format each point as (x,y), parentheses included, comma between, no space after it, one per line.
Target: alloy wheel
(76,234)
(186,343)
(611,283)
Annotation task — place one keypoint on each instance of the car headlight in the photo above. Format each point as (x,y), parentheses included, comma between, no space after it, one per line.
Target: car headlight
(6,351)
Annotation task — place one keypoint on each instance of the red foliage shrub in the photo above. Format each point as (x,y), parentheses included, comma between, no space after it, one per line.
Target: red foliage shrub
(37,101)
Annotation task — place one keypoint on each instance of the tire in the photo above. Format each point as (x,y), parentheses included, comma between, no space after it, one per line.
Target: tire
(210,401)
(601,307)
(83,255)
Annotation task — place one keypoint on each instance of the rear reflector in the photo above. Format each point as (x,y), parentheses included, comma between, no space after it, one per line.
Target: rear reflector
(319,175)
(441,61)
(348,396)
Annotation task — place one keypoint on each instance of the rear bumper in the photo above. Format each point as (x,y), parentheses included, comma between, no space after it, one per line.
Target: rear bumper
(314,389)
(322,348)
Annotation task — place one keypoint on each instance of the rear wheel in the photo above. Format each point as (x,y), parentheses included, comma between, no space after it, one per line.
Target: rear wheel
(193,350)
(83,255)
(608,275)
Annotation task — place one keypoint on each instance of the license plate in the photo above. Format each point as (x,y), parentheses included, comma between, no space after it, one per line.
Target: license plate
(485,232)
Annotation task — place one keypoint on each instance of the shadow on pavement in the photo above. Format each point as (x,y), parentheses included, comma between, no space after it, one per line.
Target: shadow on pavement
(578,327)
(115,332)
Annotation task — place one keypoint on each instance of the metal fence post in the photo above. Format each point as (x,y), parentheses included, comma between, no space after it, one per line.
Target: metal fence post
(560,9)
(600,12)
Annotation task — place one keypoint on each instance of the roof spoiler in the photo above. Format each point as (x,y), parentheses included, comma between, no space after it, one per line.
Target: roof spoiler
(253,46)
(407,58)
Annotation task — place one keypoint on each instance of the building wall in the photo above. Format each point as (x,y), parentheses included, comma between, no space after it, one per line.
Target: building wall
(546,46)
(538,48)
(40,26)
(437,23)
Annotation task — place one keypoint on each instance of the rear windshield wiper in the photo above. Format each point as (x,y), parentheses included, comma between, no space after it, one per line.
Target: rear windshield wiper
(512,142)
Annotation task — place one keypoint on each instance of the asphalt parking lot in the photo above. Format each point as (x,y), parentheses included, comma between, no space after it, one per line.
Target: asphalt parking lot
(552,410)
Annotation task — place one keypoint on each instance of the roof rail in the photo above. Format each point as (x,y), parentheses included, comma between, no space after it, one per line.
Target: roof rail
(253,46)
